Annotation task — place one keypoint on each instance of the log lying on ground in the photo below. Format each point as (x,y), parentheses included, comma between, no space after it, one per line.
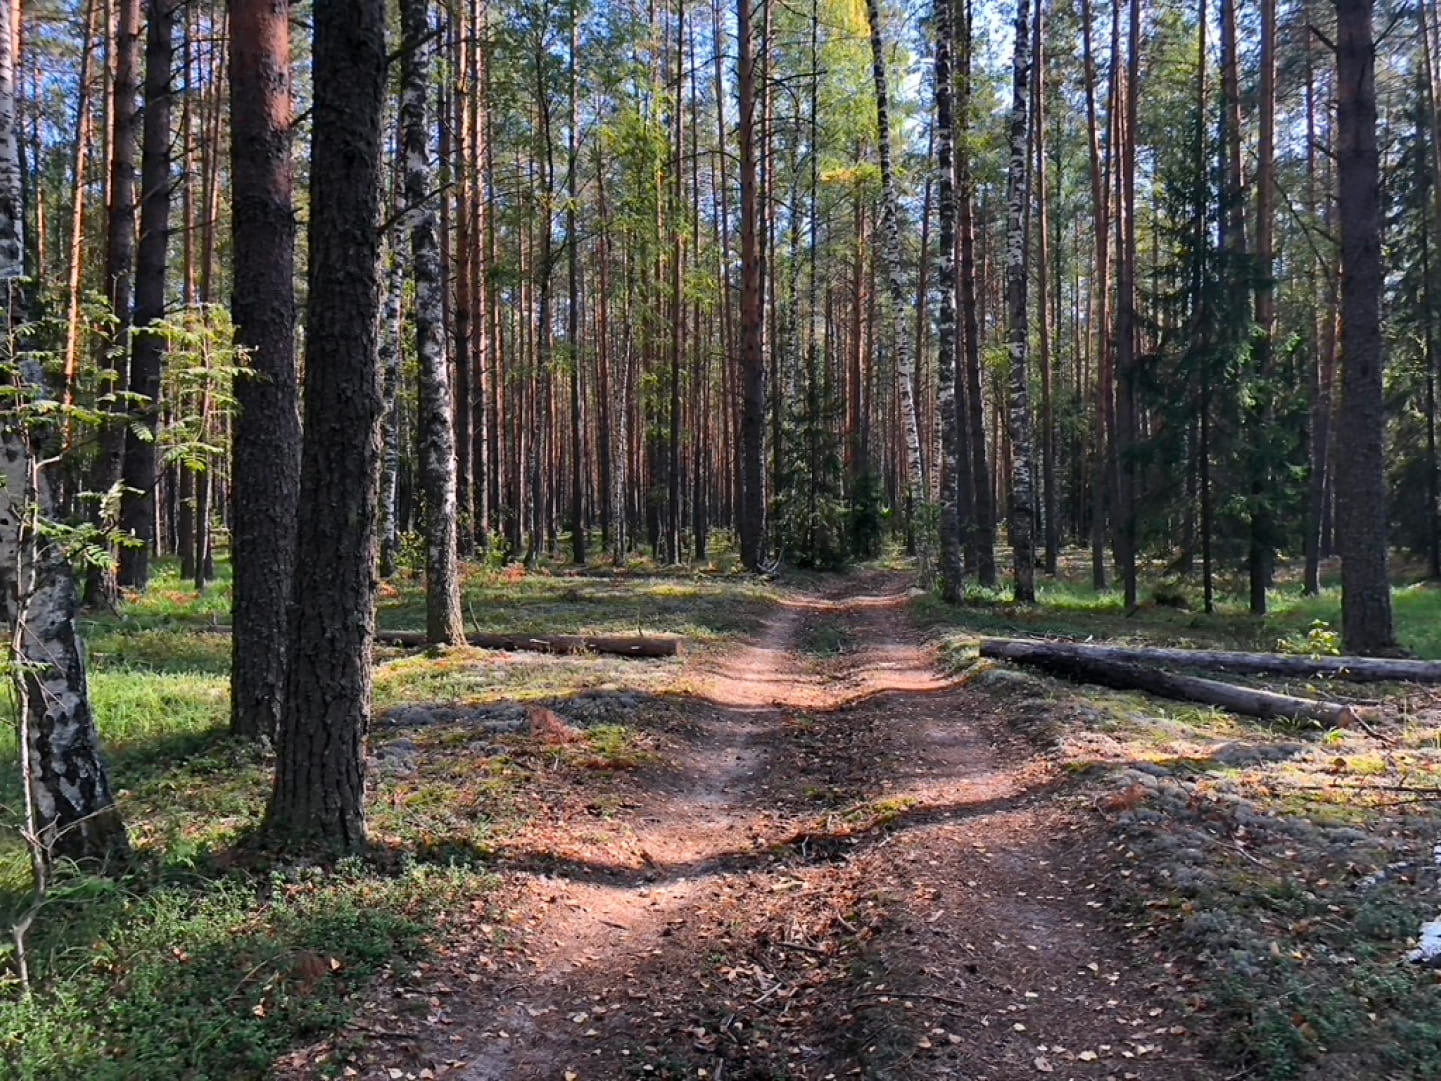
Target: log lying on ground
(1126,676)
(618,645)
(1356,669)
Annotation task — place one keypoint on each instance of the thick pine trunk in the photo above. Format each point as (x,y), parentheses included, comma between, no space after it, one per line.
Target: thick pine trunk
(437,422)
(319,790)
(1361,512)
(70,811)
(266,441)
(139,470)
(1022,516)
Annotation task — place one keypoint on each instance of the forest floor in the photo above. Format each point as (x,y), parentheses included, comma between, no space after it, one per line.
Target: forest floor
(827,858)
(827,841)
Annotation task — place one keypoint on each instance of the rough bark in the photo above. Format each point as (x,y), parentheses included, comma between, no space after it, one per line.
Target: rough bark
(147,355)
(437,421)
(1261,555)
(1100,294)
(1127,425)
(1139,677)
(573,302)
(983,532)
(70,811)
(1361,512)
(1022,516)
(319,790)
(917,488)
(951,564)
(265,475)
(100,588)
(752,356)
(1049,503)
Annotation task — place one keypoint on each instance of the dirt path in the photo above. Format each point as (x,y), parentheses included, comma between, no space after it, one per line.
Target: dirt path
(849,868)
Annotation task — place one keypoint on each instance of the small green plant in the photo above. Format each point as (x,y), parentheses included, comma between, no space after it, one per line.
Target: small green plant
(1318,640)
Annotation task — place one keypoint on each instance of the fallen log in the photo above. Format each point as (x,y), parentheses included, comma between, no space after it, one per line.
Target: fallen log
(617,645)
(1355,669)
(1126,676)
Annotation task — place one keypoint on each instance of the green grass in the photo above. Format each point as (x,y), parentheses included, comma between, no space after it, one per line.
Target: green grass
(205,961)
(1068,607)
(700,607)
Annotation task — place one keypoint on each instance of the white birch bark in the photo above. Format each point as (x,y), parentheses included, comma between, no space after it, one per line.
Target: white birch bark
(1022,510)
(437,427)
(70,810)
(389,338)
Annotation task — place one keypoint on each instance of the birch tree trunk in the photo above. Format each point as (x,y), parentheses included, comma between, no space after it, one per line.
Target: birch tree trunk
(437,424)
(70,811)
(1022,516)
(388,346)
(266,441)
(894,297)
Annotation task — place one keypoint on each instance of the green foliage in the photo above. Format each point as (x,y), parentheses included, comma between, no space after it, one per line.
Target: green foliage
(1319,640)
(211,977)
(866,517)
(809,511)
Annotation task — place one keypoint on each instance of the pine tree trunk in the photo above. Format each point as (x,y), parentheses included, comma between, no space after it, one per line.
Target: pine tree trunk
(1022,490)
(70,812)
(983,518)
(100,587)
(1050,515)
(894,297)
(78,188)
(1127,433)
(752,357)
(1361,512)
(266,447)
(1433,129)
(139,470)
(951,564)
(1261,556)
(437,422)
(319,790)
(573,302)
(1100,294)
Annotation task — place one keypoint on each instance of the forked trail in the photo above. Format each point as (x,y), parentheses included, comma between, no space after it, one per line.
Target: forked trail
(847,868)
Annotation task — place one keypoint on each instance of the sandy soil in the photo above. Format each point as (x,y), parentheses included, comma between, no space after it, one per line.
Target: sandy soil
(846,867)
